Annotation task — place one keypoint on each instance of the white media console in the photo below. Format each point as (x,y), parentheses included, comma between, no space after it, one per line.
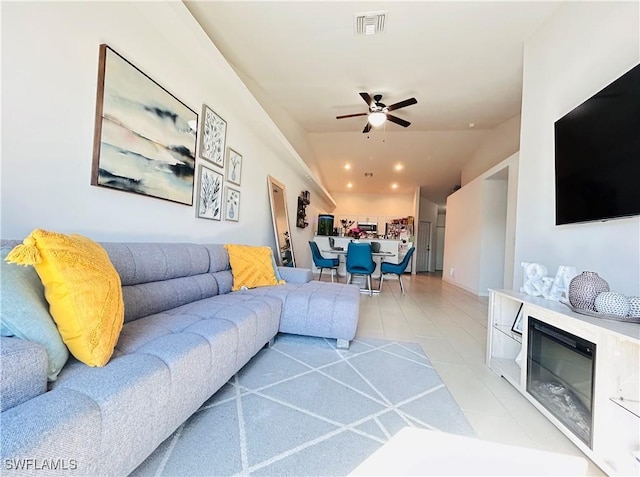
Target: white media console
(615,419)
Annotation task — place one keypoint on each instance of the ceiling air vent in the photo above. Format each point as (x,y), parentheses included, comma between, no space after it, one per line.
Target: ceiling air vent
(370,23)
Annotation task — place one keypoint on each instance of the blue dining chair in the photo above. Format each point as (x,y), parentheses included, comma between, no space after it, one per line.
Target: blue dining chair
(322,262)
(396,268)
(360,262)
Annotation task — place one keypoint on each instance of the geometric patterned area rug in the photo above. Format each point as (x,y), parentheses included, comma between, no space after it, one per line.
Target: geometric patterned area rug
(305,408)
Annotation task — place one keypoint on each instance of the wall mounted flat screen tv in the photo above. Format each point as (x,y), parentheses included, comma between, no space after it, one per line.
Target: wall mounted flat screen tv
(597,155)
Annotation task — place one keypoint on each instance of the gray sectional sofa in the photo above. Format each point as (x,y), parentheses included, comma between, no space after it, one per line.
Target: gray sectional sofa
(185,335)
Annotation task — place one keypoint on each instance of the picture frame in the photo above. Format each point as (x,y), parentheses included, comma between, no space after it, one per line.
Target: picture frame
(234,166)
(144,137)
(516,327)
(232,204)
(210,183)
(213,136)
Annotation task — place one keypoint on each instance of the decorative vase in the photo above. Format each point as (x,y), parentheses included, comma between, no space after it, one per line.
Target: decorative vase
(584,289)
(634,306)
(612,303)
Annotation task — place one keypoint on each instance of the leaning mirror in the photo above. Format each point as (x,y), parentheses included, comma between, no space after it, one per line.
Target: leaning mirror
(281,223)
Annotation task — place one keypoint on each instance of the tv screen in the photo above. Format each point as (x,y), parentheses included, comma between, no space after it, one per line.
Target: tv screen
(597,155)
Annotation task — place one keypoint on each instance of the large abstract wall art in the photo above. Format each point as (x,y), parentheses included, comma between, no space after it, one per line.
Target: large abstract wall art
(145,138)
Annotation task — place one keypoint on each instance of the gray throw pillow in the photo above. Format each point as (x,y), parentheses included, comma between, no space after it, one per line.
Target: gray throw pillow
(24,312)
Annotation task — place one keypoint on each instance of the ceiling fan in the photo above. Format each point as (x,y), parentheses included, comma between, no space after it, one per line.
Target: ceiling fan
(379,112)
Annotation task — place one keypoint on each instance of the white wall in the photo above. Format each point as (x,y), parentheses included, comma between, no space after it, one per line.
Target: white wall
(295,133)
(583,47)
(480,228)
(494,227)
(429,213)
(500,142)
(463,237)
(49,80)
(348,203)
(439,243)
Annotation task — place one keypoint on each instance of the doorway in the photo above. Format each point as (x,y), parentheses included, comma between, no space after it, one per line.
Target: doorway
(439,248)
(423,247)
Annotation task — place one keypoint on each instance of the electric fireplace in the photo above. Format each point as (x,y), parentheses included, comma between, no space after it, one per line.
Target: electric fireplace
(560,376)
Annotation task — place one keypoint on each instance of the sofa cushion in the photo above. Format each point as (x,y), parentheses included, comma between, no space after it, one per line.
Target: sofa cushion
(24,312)
(23,372)
(328,310)
(149,298)
(161,276)
(64,427)
(295,275)
(82,288)
(251,266)
(141,262)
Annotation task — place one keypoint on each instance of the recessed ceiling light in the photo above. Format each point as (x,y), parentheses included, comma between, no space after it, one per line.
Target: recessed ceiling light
(398,167)
(349,185)
(394,186)
(347,166)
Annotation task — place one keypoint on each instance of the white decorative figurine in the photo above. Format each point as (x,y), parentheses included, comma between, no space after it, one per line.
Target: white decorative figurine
(533,283)
(560,287)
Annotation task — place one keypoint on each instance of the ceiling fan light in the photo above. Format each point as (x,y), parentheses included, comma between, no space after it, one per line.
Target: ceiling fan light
(377,119)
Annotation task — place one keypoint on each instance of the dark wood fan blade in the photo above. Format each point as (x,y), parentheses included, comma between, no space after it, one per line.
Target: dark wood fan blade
(367,128)
(397,120)
(402,104)
(367,98)
(351,115)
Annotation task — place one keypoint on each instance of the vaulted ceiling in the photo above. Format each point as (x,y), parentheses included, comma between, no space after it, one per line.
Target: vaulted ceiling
(305,62)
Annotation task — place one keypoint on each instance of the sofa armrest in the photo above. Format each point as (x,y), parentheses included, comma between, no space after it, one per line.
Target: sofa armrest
(23,371)
(295,275)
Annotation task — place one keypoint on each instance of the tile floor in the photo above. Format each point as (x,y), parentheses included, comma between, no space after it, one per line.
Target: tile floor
(451,325)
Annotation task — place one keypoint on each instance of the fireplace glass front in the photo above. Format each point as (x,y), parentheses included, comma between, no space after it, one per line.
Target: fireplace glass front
(560,370)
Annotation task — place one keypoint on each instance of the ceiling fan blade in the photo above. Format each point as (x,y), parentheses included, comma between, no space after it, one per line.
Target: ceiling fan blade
(367,98)
(367,128)
(397,120)
(351,115)
(402,104)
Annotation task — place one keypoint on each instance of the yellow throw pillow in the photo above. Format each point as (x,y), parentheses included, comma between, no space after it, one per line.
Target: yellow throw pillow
(82,288)
(251,266)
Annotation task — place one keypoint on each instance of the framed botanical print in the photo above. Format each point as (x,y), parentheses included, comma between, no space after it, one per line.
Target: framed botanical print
(232,204)
(212,136)
(234,166)
(209,194)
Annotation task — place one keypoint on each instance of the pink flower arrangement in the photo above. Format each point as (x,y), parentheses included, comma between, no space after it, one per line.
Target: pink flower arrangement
(356,233)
